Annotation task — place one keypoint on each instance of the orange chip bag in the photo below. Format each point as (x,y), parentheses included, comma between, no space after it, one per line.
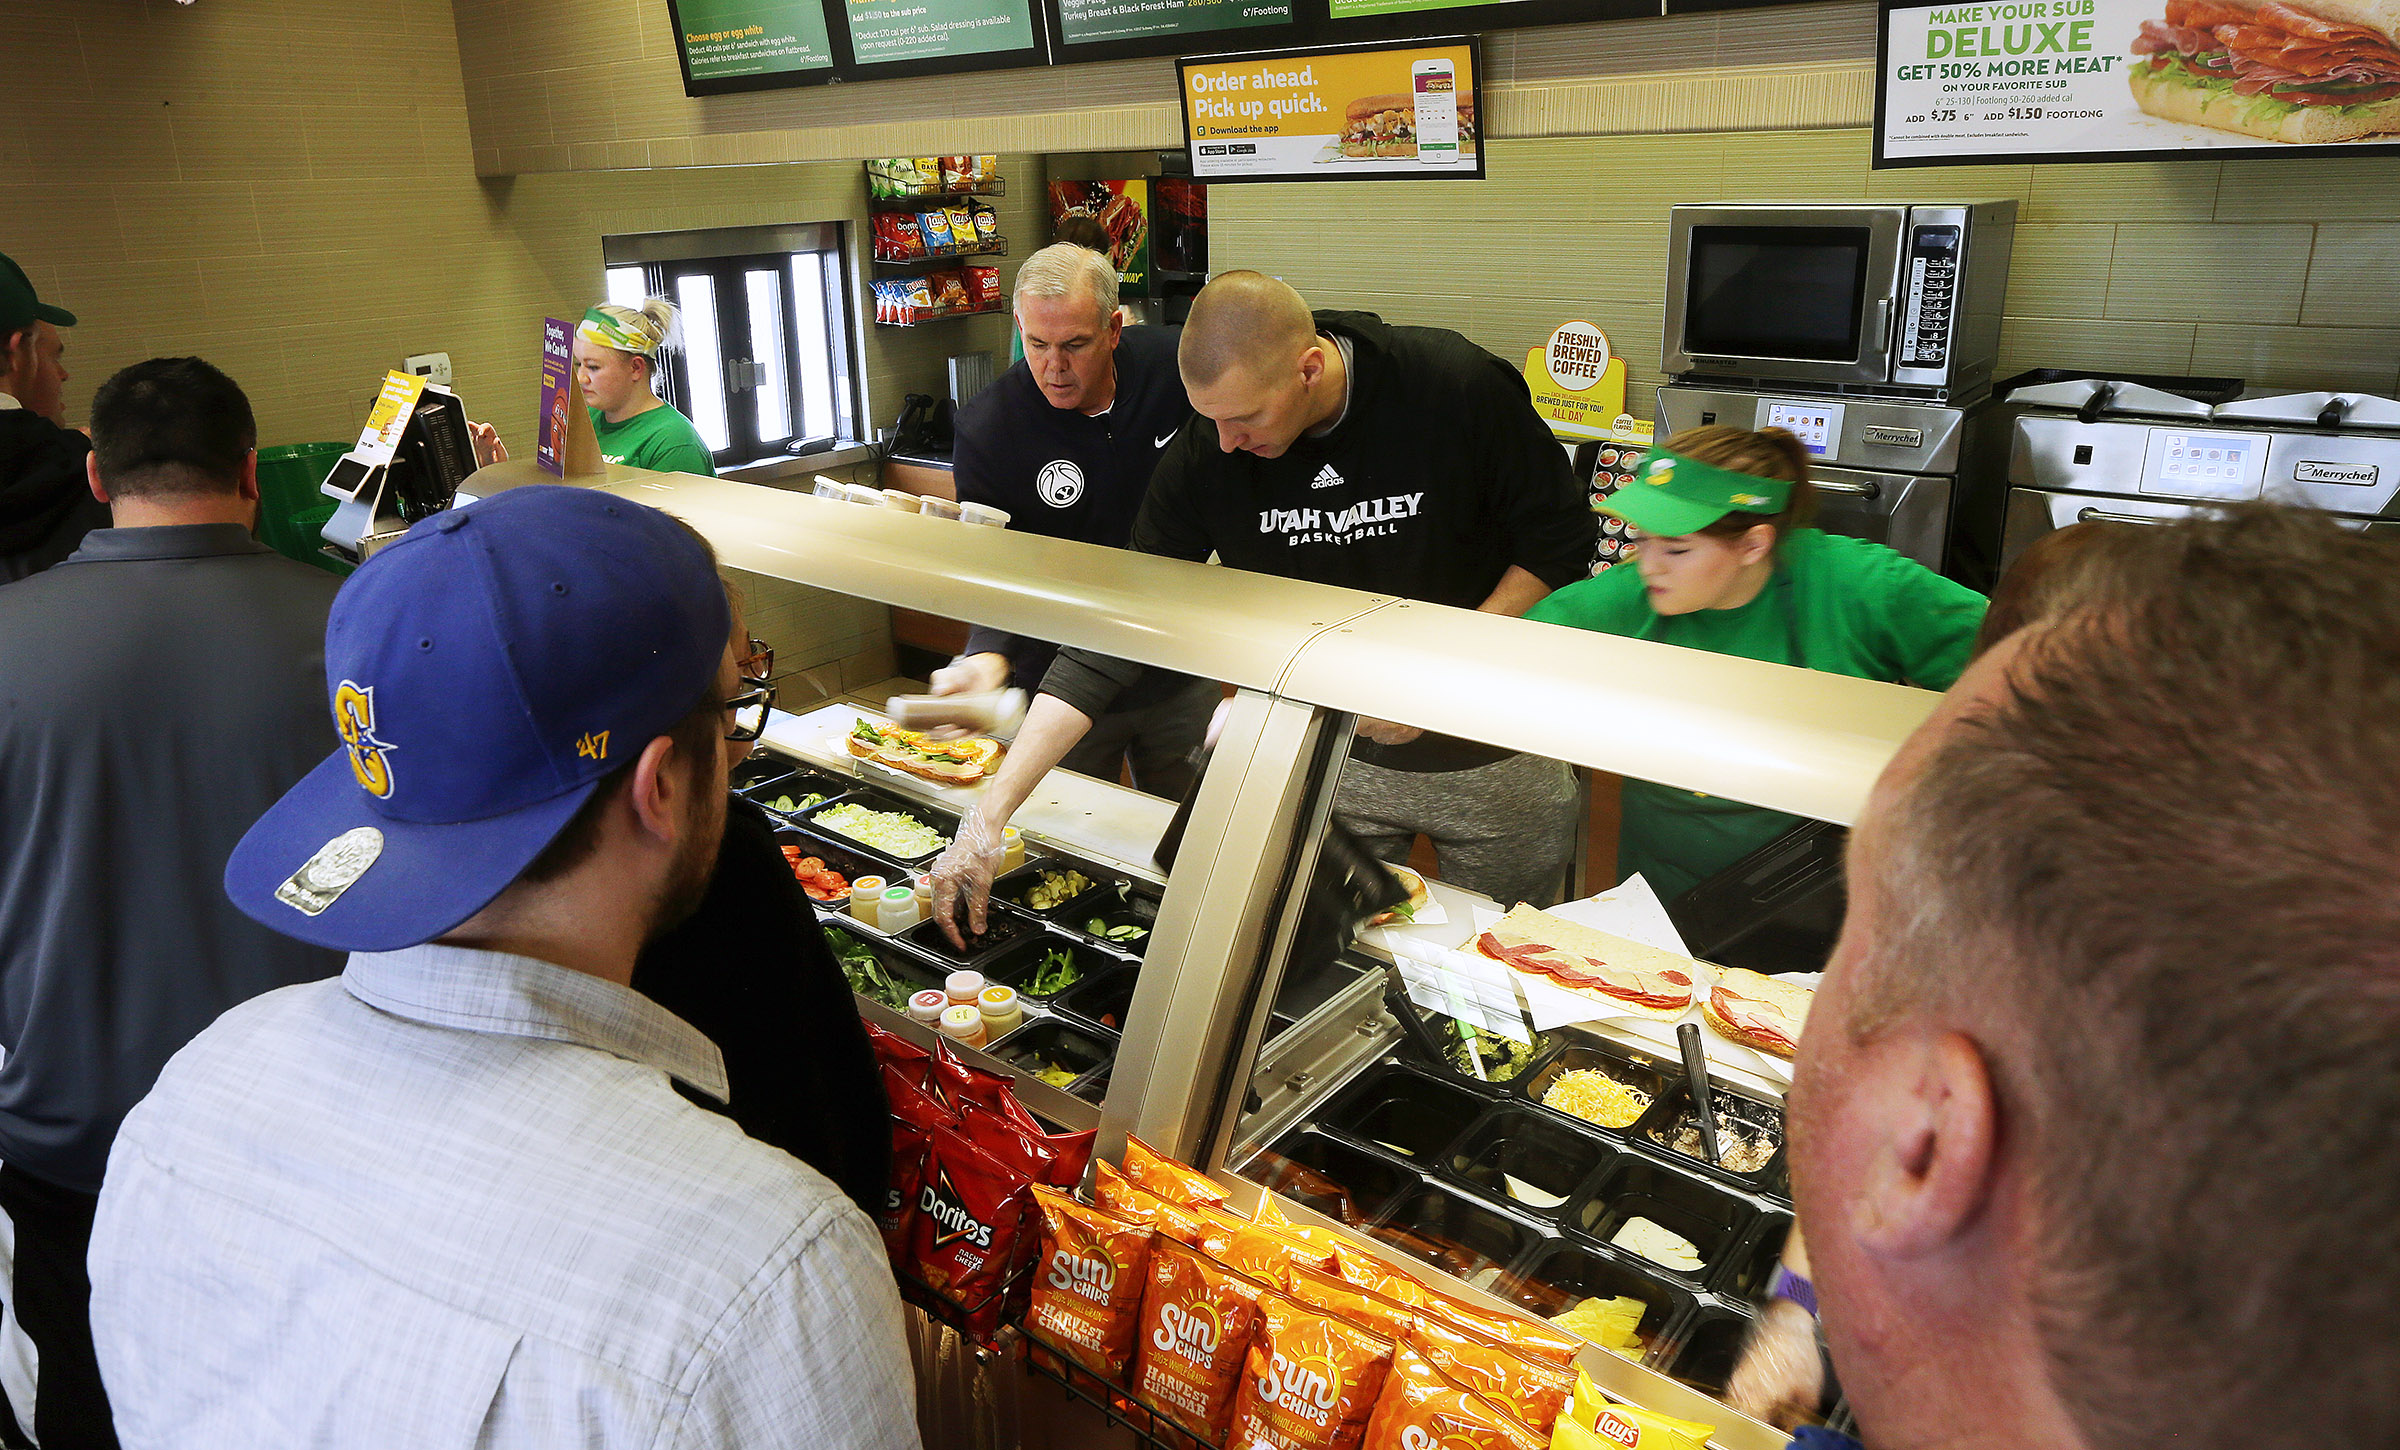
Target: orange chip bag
(1363,1307)
(1419,1409)
(1197,1321)
(1263,1253)
(1087,1291)
(1529,1338)
(1127,1199)
(1271,1214)
(1312,1380)
(1167,1178)
(1532,1391)
(1359,1267)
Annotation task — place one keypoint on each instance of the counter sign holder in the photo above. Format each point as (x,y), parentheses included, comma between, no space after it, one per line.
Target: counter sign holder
(1578,382)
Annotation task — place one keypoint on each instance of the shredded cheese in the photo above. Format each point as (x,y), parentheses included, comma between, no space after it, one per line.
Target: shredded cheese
(1596,1097)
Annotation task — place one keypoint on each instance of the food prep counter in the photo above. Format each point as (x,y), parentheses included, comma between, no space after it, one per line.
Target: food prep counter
(1244,1045)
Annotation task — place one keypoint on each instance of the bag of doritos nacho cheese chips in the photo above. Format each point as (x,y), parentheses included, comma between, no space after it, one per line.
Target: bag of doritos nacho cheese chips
(909,1060)
(1311,1380)
(1087,1288)
(914,1114)
(1420,1409)
(970,1211)
(1196,1324)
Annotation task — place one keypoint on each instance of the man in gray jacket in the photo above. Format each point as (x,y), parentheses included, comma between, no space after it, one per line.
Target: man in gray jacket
(163,686)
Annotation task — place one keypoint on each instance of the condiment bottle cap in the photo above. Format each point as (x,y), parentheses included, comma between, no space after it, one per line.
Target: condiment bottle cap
(964,986)
(928,1006)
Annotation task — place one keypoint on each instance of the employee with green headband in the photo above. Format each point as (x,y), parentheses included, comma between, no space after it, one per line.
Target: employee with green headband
(616,359)
(1727,564)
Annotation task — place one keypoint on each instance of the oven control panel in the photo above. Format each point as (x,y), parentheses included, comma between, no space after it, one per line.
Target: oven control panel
(2204,464)
(1932,292)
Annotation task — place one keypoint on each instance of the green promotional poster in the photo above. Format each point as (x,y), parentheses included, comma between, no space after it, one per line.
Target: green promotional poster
(883,31)
(723,39)
(1088,22)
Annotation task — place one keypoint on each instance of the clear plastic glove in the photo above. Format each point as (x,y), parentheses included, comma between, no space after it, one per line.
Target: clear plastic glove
(488,447)
(963,876)
(1384,732)
(1780,1377)
(969,675)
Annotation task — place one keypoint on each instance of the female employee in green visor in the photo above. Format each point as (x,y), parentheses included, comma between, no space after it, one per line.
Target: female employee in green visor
(616,358)
(1727,563)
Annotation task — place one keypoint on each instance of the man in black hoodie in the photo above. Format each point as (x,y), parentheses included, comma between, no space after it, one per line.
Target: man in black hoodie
(1335,448)
(46,507)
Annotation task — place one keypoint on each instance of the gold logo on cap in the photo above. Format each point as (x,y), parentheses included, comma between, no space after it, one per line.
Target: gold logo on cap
(593,747)
(354,720)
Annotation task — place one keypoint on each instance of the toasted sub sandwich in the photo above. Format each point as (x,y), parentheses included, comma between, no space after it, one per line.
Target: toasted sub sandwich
(1627,977)
(1380,126)
(1758,1012)
(1406,911)
(947,762)
(2307,74)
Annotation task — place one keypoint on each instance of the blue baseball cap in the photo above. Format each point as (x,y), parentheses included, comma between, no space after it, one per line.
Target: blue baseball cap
(487,670)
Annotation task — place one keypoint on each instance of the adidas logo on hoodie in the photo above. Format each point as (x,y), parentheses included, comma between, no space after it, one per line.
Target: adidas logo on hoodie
(1327,478)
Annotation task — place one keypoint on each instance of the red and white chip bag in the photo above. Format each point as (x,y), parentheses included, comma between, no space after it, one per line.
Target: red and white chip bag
(1310,1382)
(1420,1409)
(1168,1178)
(970,1213)
(1087,1290)
(1197,1319)
(955,1081)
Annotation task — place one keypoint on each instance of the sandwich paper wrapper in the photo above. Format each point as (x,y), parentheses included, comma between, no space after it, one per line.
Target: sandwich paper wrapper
(1631,910)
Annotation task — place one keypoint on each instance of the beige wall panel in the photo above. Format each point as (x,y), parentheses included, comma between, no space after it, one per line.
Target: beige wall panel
(2301,359)
(2128,191)
(2060,271)
(2135,347)
(2259,272)
(2354,279)
(208,219)
(2359,188)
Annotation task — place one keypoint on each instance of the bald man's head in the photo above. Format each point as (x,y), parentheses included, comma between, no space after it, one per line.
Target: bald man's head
(1254,364)
(1244,320)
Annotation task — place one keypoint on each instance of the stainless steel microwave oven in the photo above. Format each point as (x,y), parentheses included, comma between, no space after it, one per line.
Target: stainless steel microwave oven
(1904,299)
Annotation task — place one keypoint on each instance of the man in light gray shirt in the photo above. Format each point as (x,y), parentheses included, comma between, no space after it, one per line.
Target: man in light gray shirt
(158,690)
(453,1197)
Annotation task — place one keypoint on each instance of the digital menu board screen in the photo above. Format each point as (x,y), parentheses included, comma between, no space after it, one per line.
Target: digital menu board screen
(741,45)
(1335,113)
(927,37)
(1114,29)
(1398,17)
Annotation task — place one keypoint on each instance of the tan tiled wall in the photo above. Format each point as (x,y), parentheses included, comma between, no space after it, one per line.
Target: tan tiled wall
(2283,272)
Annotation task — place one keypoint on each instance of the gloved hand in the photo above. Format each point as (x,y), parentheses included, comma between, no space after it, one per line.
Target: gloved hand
(963,875)
(967,675)
(1384,732)
(1780,1377)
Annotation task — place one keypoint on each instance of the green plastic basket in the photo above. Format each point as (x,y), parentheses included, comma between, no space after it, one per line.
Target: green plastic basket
(291,511)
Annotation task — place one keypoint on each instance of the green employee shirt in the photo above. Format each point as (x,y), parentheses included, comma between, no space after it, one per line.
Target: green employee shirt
(1835,603)
(661,440)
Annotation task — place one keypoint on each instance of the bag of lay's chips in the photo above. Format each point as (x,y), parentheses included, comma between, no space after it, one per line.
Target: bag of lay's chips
(1311,1380)
(1531,1391)
(1168,1178)
(1420,1410)
(970,1210)
(1087,1289)
(1595,1422)
(1127,1199)
(1196,1324)
(914,1114)
(1363,1307)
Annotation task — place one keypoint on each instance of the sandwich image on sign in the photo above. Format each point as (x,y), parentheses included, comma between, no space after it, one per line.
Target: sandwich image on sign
(1383,125)
(2308,75)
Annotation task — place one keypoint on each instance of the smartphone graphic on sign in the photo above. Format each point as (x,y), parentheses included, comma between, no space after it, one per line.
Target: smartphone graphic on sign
(1436,84)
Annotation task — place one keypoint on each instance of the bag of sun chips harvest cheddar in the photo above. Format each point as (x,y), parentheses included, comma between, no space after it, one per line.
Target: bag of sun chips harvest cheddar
(1197,1319)
(1311,1381)
(1087,1289)
(1419,1409)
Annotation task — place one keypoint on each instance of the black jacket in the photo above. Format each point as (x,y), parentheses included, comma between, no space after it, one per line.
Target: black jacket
(1063,475)
(46,505)
(752,971)
(1438,478)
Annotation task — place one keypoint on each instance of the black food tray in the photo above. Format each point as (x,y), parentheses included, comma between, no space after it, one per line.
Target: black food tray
(1086,1051)
(1513,1141)
(1013,887)
(1015,963)
(1651,1075)
(1561,1275)
(1655,1132)
(1409,1114)
(1003,926)
(1718,1223)
(1103,1000)
(875,800)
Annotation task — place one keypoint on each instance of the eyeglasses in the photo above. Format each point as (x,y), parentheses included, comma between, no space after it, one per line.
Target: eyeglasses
(749,709)
(759,663)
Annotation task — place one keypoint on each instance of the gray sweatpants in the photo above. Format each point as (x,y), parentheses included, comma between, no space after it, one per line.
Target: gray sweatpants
(1157,740)
(1506,829)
